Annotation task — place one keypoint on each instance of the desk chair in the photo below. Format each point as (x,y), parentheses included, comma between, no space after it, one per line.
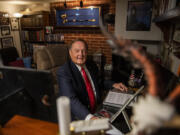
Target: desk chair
(123,111)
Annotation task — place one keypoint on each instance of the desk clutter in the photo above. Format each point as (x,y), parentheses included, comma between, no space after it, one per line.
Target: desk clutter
(148,105)
(87,127)
(93,127)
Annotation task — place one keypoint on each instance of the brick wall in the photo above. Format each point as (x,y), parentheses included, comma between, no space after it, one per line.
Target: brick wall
(95,39)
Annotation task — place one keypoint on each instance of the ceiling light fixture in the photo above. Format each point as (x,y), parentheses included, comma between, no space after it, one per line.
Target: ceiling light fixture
(17,15)
(81,3)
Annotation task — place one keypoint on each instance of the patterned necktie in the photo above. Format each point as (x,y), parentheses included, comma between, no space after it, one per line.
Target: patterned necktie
(89,90)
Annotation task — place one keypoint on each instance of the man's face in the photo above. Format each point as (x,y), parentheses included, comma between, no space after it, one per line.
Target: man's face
(78,53)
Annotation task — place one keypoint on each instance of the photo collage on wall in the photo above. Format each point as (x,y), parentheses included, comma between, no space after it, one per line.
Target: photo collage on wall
(6,39)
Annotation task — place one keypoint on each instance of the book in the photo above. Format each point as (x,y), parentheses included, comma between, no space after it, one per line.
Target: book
(116,98)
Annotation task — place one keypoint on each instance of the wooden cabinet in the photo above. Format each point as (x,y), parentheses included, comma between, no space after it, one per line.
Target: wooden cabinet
(35,20)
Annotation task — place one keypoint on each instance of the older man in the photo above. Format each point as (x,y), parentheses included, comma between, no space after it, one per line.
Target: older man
(78,80)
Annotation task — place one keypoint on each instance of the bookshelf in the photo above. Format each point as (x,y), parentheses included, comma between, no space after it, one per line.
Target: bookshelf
(172,16)
(34,28)
(167,22)
(39,37)
(168,19)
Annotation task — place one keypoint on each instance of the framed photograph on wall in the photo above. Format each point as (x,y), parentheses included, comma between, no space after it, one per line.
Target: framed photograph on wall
(14,24)
(7,42)
(5,30)
(139,15)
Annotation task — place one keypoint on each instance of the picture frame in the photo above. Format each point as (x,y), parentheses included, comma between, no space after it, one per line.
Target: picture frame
(139,15)
(4,20)
(14,24)
(78,17)
(5,30)
(7,42)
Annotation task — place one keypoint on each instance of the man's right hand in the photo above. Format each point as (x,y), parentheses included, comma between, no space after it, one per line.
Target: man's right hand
(94,118)
(104,114)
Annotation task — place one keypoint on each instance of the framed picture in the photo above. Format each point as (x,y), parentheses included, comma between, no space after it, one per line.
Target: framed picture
(14,24)
(7,42)
(139,15)
(4,20)
(78,17)
(5,30)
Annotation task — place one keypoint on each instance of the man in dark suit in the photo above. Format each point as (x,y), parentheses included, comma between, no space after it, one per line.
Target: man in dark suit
(78,80)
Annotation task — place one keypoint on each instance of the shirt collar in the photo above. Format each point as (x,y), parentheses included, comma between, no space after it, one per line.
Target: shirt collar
(79,67)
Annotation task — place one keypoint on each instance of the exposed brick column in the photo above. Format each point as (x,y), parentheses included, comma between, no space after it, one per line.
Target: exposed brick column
(95,39)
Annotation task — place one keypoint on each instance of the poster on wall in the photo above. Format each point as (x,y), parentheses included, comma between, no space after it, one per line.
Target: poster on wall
(78,17)
(139,15)
(14,24)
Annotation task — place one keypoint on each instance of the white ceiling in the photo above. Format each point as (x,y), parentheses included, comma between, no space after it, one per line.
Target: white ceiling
(24,2)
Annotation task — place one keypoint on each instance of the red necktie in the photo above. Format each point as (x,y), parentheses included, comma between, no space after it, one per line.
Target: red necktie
(89,90)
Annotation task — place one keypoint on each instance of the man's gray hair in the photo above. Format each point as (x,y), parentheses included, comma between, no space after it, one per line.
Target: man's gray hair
(77,40)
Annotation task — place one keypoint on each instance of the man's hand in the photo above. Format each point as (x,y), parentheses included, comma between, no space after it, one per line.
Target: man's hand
(104,114)
(94,118)
(45,100)
(120,86)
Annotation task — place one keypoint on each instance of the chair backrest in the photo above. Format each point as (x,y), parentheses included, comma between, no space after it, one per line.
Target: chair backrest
(51,57)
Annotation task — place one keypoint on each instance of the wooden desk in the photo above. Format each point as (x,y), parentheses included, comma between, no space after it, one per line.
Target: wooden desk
(20,125)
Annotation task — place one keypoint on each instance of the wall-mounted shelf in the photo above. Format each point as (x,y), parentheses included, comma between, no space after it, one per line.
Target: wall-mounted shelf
(32,28)
(172,15)
(44,42)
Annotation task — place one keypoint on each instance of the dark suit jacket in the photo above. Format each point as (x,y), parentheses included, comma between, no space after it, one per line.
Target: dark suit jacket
(71,84)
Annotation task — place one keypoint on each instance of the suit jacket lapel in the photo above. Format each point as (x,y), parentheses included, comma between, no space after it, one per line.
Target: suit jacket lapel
(78,78)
